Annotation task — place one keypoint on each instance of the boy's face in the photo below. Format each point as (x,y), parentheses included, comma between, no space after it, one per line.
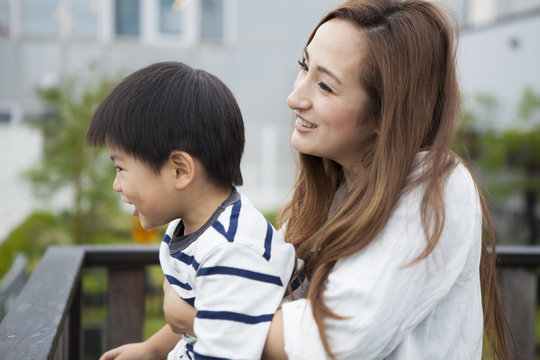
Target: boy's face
(150,193)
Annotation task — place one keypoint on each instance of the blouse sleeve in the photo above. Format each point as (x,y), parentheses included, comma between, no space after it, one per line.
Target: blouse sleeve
(381,292)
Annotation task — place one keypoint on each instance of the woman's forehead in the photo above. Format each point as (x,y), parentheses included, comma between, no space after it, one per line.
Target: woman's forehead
(339,46)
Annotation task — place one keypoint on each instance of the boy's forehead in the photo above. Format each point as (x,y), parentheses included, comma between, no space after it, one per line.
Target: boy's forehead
(115,152)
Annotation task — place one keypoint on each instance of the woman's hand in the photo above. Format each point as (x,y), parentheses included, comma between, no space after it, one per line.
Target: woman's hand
(178,313)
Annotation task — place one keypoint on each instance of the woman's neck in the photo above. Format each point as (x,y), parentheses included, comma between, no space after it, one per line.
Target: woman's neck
(351,174)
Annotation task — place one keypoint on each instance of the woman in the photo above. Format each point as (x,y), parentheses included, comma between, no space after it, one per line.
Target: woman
(394,250)
(386,218)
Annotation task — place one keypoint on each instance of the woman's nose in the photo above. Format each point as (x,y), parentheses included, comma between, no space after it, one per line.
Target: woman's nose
(299,98)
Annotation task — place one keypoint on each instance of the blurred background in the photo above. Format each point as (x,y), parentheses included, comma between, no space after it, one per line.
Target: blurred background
(60,58)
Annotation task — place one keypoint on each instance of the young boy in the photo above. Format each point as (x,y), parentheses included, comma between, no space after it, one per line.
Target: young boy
(176,137)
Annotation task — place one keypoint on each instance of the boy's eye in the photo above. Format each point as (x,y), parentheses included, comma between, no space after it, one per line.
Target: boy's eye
(325,87)
(303,65)
(118,168)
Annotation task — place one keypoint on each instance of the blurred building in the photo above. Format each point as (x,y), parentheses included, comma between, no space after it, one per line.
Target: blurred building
(499,53)
(252,45)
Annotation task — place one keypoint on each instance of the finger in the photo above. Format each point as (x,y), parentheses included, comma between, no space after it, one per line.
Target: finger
(110,355)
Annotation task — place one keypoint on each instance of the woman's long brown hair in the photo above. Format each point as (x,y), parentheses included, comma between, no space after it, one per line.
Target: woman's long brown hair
(409,75)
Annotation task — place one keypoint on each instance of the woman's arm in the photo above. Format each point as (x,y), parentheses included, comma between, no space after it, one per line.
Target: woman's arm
(180,317)
(178,313)
(274,346)
(384,295)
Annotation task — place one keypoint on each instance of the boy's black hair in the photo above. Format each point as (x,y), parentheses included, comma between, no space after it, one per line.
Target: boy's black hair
(170,106)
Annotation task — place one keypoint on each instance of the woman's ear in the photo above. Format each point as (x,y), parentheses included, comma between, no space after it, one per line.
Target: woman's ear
(183,167)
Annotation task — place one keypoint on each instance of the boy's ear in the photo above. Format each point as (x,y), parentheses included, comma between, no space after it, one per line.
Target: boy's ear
(183,166)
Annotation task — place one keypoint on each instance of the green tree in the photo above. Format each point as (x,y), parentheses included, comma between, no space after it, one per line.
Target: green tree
(511,157)
(67,161)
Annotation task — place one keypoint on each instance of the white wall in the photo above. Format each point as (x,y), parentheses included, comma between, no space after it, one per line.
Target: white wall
(501,60)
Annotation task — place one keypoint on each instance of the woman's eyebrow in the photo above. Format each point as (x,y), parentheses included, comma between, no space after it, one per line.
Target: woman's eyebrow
(323,69)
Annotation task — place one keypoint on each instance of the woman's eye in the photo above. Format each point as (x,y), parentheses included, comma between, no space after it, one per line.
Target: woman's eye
(325,87)
(303,65)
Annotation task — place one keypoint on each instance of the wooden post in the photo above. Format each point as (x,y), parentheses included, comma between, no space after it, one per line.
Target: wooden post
(519,302)
(75,325)
(125,306)
(62,348)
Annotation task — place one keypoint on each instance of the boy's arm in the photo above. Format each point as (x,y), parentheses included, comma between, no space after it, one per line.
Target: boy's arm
(155,348)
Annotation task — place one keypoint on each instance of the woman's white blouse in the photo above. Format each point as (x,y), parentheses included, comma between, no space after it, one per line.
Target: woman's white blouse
(429,310)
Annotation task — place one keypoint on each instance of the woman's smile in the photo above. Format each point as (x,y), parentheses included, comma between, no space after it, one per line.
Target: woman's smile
(304,125)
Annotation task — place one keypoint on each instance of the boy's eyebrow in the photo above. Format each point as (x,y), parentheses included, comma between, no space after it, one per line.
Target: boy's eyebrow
(323,69)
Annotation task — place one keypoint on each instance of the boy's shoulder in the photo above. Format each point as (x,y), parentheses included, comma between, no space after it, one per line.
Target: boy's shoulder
(242,223)
(236,221)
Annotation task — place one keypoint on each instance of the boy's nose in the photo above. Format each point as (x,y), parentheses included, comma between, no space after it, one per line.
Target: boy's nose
(116,185)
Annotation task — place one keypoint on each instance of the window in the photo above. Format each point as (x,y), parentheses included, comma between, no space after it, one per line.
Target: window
(40,18)
(211,19)
(4,17)
(5,116)
(184,21)
(85,18)
(9,112)
(171,18)
(168,22)
(127,18)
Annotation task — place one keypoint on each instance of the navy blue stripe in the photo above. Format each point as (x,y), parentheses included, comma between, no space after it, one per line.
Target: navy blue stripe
(175,281)
(166,239)
(217,225)
(189,348)
(233,223)
(268,241)
(186,259)
(233,316)
(190,301)
(226,270)
(204,357)
(297,281)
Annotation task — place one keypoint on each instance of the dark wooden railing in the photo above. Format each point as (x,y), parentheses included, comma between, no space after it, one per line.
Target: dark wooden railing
(44,322)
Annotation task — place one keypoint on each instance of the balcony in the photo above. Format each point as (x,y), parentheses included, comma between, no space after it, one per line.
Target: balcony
(45,319)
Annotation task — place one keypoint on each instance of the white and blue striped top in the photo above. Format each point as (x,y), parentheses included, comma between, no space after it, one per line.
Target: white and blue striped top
(234,271)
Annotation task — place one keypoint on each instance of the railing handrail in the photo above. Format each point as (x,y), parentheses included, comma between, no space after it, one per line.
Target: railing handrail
(50,301)
(32,327)
(518,256)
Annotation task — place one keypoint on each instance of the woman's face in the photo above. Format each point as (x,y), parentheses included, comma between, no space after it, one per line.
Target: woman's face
(327,98)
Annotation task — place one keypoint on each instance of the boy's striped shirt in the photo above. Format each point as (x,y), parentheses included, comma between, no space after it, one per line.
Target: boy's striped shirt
(234,271)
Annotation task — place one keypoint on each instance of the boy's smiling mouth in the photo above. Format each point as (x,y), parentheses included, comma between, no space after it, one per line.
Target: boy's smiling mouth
(135,212)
